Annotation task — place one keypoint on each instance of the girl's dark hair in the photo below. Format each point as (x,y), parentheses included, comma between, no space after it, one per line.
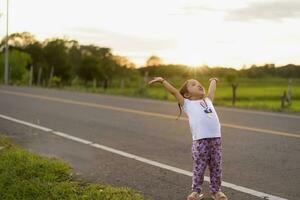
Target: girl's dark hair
(183,90)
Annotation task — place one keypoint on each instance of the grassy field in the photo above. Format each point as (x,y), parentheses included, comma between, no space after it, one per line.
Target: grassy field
(260,93)
(263,94)
(25,175)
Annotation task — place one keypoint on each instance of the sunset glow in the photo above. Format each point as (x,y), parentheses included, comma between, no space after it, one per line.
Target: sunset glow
(229,33)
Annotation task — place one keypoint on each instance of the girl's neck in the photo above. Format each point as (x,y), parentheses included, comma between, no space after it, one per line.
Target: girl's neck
(197,98)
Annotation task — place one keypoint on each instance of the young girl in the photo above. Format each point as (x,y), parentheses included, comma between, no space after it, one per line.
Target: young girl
(206,132)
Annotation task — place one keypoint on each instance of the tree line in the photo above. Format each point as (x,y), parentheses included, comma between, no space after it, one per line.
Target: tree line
(69,62)
(67,59)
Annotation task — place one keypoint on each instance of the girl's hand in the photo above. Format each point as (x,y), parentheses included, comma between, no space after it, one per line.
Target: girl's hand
(217,80)
(156,79)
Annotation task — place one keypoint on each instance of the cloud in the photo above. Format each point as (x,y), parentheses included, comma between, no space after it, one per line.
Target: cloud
(277,10)
(123,42)
(272,10)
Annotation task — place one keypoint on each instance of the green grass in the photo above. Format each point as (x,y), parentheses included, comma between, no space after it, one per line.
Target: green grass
(256,97)
(260,93)
(25,175)
(272,105)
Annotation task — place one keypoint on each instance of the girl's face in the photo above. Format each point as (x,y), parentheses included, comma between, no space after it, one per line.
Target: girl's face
(195,89)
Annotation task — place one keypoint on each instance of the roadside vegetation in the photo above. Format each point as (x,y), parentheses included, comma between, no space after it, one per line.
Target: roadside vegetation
(26,175)
(66,64)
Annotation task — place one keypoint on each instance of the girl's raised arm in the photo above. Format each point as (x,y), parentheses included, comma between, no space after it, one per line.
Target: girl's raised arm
(212,88)
(169,88)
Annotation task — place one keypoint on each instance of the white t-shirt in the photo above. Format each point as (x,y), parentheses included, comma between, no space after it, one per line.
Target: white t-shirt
(203,118)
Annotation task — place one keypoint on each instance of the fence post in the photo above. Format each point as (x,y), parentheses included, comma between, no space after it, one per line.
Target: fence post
(51,76)
(289,93)
(30,75)
(94,83)
(39,76)
(283,99)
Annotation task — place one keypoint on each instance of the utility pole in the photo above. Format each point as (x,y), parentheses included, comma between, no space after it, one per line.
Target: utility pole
(6,48)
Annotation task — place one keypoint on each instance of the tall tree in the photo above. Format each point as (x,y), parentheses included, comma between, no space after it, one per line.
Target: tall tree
(154,61)
(19,40)
(56,55)
(18,61)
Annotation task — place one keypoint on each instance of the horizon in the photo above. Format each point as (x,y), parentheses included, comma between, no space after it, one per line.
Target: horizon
(236,33)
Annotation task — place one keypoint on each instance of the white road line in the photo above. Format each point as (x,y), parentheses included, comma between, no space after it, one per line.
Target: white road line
(70,137)
(141,159)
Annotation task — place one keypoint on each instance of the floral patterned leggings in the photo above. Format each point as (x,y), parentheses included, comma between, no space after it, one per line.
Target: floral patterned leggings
(205,152)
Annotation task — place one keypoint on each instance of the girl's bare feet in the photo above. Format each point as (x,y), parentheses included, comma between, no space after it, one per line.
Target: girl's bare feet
(219,196)
(195,196)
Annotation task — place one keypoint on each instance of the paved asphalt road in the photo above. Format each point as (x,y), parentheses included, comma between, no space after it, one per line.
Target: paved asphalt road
(260,149)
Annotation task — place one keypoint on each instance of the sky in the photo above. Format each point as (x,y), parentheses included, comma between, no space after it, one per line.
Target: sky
(228,33)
